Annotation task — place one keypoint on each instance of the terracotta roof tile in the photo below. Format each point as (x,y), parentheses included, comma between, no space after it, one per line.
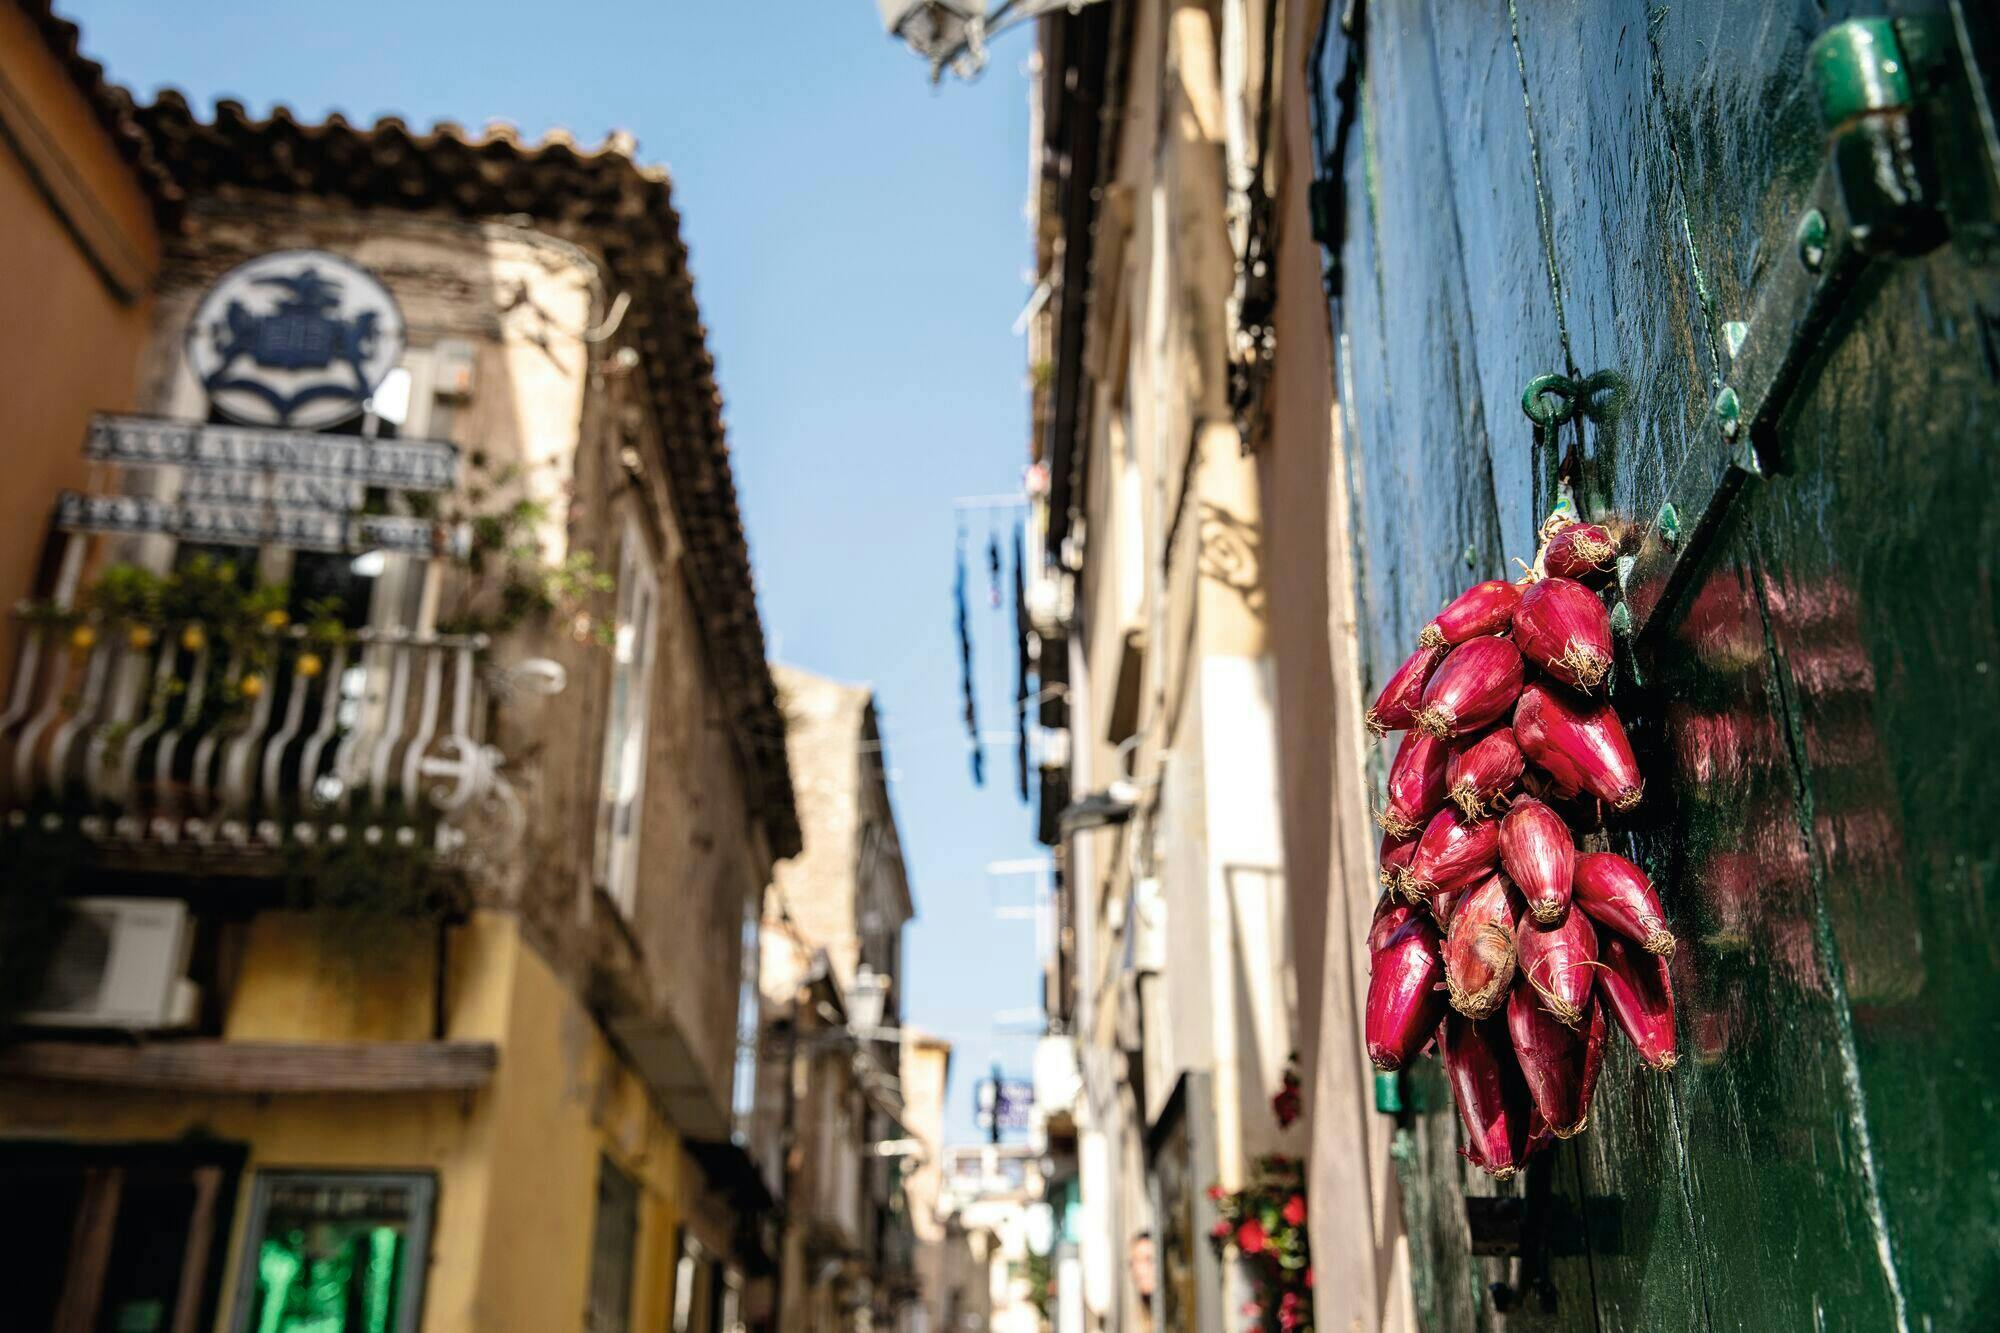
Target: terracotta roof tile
(111,103)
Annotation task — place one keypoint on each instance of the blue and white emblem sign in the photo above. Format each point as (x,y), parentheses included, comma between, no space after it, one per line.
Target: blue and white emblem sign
(294,338)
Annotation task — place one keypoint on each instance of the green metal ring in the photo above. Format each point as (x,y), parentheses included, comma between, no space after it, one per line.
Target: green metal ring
(1540,388)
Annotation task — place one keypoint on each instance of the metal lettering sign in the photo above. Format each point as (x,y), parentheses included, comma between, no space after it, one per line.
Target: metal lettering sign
(297,338)
(287,490)
(224,524)
(403,465)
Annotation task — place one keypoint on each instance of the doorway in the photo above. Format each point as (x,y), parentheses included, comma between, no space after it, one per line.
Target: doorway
(115,1238)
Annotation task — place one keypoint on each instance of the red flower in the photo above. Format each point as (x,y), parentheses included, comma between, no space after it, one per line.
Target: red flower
(1250,1237)
(1220,1231)
(1309,1277)
(1216,1193)
(1295,1210)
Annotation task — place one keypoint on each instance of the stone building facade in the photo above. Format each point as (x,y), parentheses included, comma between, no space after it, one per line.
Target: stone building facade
(832,1003)
(545,789)
(1192,634)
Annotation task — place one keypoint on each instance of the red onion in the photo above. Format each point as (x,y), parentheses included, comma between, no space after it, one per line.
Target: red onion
(1479,949)
(1478,775)
(1635,987)
(1563,628)
(1538,784)
(1580,551)
(1559,1066)
(1474,686)
(1484,608)
(1539,855)
(1404,1002)
(1581,745)
(1393,859)
(1396,707)
(1619,897)
(1493,1101)
(1558,963)
(1451,855)
(1550,1057)
(1596,1032)
(1444,902)
(1540,1136)
(1391,915)
(1416,784)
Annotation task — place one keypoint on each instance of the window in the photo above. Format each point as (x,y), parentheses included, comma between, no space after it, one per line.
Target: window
(335,1250)
(624,775)
(114,1236)
(613,1240)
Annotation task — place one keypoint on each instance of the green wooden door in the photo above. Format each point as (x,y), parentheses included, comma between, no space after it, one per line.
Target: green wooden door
(1613,190)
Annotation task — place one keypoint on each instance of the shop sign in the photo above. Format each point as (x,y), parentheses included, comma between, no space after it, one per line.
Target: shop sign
(226,524)
(298,338)
(402,465)
(286,345)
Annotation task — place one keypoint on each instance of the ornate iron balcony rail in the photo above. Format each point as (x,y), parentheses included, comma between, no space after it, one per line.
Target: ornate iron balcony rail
(182,741)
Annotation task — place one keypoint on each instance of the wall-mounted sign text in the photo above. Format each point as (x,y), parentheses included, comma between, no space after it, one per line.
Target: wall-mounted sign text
(250,486)
(402,465)
(256,525)
(297,338)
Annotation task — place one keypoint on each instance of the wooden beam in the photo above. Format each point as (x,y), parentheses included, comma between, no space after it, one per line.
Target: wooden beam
(90,1250)
(257,1066)
(194,1259)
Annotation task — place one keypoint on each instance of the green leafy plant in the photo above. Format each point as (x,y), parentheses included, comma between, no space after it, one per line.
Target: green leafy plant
(371,892)
(513,581)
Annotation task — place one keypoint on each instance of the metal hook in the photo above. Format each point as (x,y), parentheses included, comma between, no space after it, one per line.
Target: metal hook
(1534,400)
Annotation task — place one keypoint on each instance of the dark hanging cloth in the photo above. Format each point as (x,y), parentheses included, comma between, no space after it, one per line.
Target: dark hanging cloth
(1021,666)
(993,570)
(965,668)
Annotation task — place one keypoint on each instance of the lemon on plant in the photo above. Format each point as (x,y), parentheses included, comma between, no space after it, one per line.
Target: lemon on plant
(276,619)
(139,638)
(309,665)
(82,637)
(193,639)
(250,686)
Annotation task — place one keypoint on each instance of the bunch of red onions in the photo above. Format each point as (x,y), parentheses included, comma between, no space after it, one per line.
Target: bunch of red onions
(1494,935)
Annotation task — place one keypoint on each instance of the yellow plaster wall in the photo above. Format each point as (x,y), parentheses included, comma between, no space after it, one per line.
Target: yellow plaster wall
(70,345)
(516,1163)
(556,1112)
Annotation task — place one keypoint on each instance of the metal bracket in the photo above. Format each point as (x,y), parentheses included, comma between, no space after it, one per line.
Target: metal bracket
(1886,90)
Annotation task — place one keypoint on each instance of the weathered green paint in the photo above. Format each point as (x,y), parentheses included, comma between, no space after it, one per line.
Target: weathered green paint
(1603,189)
(1858,67)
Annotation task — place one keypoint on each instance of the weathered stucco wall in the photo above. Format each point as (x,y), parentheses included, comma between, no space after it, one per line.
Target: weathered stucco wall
(1360,1252)
(553,419)
(72,336)
(516,1162)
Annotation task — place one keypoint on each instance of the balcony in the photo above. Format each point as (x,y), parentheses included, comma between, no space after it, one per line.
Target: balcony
(178,742)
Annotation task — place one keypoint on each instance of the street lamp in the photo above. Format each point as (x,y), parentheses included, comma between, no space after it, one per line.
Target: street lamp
(953,32)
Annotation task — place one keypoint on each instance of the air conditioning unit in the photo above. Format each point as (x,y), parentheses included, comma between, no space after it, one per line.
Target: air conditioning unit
(119,963)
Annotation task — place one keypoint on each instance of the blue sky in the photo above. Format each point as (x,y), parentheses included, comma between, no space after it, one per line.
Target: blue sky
(858,245)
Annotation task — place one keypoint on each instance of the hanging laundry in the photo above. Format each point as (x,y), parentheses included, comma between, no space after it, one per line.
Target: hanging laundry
(993,569)
(965,667)
(1021,664)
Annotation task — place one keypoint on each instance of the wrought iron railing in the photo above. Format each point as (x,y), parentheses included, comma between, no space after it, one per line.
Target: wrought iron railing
(180,740)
